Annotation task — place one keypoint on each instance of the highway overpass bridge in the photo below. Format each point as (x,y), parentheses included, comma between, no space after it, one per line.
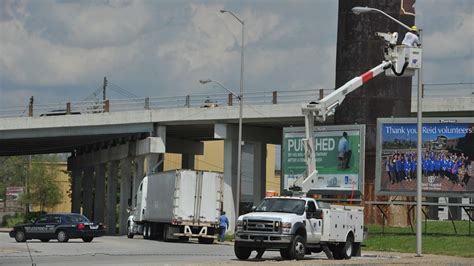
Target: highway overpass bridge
(107,136)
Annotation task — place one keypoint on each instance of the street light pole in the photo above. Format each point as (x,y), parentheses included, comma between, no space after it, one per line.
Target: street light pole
(239,151)
(358,10)
(241,94)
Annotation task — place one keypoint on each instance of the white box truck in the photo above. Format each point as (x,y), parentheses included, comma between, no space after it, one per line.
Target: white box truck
(177,205)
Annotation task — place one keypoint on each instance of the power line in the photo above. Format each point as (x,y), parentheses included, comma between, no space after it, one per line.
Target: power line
(122,90)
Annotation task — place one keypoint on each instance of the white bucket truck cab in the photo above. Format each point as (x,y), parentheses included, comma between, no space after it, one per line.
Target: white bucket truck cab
(300,225)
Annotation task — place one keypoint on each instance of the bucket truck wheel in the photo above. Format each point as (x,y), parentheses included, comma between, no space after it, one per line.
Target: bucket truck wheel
(284,254)
(343,250)
(297,248)
(242,253)
(346,248)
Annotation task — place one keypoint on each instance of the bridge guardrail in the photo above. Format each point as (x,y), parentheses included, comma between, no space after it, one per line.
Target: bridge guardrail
(199,100)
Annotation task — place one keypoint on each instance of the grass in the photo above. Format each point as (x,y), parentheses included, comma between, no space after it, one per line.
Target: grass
(440,238)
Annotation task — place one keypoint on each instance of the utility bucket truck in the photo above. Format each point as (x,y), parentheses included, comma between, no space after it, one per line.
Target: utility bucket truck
(297,226)
(177,205)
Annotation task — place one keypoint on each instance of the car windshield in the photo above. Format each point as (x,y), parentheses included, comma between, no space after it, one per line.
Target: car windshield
(295,206)
(77,218)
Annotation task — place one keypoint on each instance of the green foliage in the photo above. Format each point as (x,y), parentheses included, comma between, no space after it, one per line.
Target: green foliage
(13,172)
(43,188)
(439,237)
(11,220)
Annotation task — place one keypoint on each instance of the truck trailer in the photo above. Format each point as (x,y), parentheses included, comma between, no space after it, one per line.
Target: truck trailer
(178,205)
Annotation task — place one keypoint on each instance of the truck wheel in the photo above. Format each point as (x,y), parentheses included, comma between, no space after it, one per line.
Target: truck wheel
(20,236)
(242,253)
(145,231)
(205,240)
(129,231)
(336,251)
(148,231)
(346,248)
(285,254)
(165,233)
(297,248)
(62,236)
(87,239)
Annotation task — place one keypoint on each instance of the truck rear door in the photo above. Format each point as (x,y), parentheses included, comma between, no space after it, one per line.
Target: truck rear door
(210,197)
(186,195)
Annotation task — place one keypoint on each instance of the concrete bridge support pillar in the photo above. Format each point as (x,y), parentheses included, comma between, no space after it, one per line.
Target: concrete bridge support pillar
(88,182)
(259,171)
(99,193)
(125,192)
(151,161)
(230,180)
(187,161)
(137,177)
(76,189)
(111,197)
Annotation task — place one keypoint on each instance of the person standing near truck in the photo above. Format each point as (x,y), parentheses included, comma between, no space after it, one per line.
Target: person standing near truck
(223,225)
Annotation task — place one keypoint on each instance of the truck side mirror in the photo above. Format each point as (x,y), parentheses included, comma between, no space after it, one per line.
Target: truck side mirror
(318,214)
(254,208)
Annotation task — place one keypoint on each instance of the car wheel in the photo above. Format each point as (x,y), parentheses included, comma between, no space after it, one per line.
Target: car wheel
(297,248)
(62,236)
(242,253)
(87,239)
(20,236)
(44,240)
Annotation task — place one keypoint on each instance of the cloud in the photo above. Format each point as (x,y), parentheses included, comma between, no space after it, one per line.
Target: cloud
(454,42)
(29,59)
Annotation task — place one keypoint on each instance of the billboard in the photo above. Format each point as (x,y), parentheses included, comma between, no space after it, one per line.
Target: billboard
(339,172)
(447,152)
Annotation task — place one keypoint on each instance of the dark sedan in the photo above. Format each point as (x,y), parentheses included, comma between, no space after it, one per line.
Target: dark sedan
(58,226)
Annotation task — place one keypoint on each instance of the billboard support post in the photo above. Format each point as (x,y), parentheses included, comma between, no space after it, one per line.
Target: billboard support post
(419,165)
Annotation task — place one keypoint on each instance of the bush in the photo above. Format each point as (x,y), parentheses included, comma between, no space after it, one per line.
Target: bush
(11,220)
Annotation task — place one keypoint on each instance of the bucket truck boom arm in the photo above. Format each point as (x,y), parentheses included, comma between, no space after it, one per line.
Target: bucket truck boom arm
(320,110)
(400,61)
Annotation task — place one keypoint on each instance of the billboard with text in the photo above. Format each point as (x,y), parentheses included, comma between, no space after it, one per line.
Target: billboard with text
(447,152)
(339,171)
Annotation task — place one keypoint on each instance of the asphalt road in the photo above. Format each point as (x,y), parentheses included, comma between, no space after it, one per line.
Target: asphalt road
(111,250)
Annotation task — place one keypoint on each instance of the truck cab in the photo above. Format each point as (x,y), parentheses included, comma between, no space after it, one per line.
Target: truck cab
(297,226)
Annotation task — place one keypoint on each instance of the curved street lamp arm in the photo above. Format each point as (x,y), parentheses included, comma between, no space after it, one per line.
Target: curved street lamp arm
(204,81)
(358,10)
(230,12)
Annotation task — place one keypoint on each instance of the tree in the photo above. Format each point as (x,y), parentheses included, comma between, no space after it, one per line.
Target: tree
(13,172)
(42,185)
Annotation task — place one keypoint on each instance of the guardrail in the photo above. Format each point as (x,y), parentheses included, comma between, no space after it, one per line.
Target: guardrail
(183,101)
(196,100)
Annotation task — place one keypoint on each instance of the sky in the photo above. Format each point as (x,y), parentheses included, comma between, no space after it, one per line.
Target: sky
(60,50)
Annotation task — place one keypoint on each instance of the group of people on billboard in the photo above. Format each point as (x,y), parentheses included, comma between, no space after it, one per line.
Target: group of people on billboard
(402,166)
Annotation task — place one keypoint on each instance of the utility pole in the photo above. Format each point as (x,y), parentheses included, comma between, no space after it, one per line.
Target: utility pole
(27,187)
(104,89)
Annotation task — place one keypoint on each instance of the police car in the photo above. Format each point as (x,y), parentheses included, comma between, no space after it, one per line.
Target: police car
(58,226)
